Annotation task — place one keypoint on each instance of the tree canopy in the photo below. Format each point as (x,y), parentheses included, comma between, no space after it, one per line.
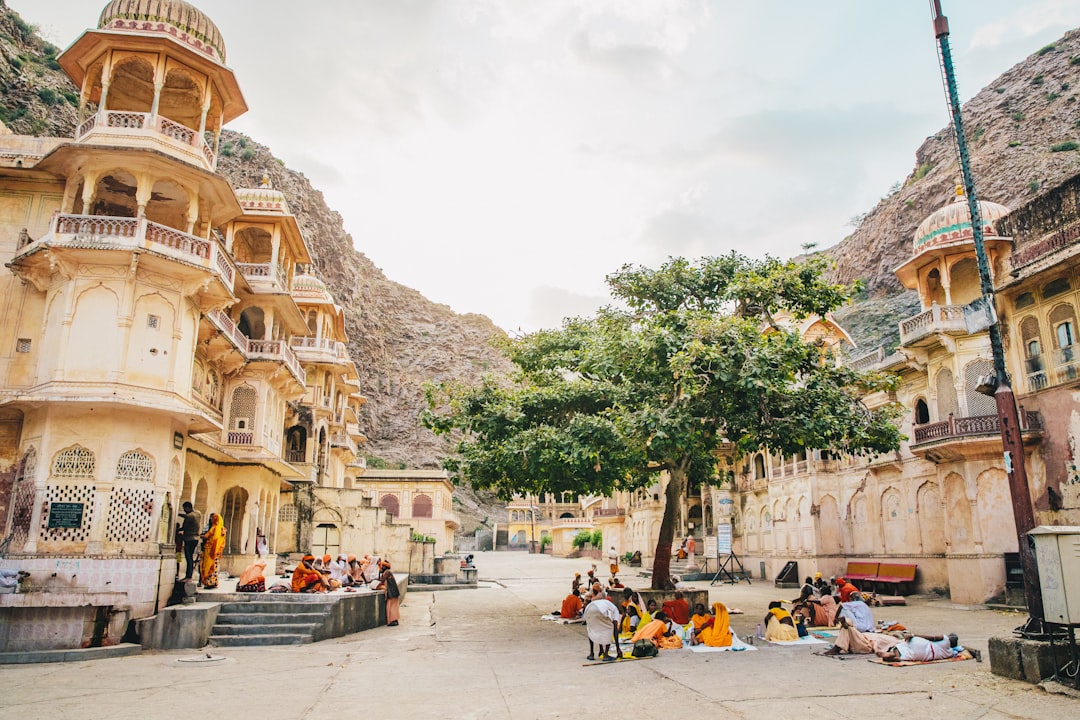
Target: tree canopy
(697,354)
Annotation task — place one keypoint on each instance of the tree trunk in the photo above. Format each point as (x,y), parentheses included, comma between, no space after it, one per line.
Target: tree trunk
(661,572)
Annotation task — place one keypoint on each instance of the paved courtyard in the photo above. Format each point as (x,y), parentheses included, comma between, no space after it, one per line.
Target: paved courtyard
(486,654)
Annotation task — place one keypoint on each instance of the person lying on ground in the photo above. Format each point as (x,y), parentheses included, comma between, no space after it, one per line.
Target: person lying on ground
(923,648)
(779,625)
(858,612)
(852,641)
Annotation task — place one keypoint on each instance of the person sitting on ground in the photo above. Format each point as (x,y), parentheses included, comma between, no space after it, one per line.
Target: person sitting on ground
(571,606)
(356,571)
(615,584)
(306,579)
(253,579)
(779,625)
(852,641)
(821,585)
(700,616)
(630,621)
(806,591)
(371,569)
(339,572)
(601,624)
(844,588)
(576,584)
(923,648)
(858,612)
(655,629)
(814,613)
(590,577)
(650,610)
(678,609)
(716,630)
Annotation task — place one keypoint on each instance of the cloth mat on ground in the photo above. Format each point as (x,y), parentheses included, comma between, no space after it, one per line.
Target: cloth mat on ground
(808,640)
(554,617)
(737,645)
(964,655)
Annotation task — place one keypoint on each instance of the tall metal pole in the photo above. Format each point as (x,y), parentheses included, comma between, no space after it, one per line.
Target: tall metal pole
(1011,440)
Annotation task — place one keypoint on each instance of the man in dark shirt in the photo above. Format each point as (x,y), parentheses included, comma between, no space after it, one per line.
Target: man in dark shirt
(192,525)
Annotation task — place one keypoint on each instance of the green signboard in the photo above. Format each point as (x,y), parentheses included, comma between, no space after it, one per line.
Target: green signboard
(65,514)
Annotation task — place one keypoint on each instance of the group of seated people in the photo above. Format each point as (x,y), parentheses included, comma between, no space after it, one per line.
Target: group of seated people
(323,574)
(315,575)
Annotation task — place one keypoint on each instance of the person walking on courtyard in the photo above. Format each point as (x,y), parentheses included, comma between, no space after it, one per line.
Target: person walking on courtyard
(190,532)
(213,547)
(613,561)
(388,583)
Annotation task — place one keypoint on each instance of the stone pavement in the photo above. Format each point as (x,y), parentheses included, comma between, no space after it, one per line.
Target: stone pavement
(485,654)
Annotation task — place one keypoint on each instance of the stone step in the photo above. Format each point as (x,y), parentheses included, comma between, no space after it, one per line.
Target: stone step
(267,629)
(237,618)
(274,608)
(248,640)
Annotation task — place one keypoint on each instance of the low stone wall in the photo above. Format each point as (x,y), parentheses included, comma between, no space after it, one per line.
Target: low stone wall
(1026,660)
(179,626)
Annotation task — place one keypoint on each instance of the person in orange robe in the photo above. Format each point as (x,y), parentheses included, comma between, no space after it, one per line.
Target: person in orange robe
(306,579)
(678,609)
(653,630)
(716,632)
(571,606)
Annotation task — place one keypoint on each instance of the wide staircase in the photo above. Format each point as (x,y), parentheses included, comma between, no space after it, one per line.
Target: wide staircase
(267,623)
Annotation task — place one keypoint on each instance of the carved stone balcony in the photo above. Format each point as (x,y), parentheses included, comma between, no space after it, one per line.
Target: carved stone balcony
(106,232)
(958,437)
(319,350)
(264,277)
(571,522)
(257,350)
(922,329)
(124,128)
(343,441)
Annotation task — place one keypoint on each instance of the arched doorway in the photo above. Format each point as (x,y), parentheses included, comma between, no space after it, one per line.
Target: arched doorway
(233,509)
(326,540)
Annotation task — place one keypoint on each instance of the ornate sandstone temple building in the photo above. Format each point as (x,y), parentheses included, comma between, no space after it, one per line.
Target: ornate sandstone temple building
(160,342)
(942,501)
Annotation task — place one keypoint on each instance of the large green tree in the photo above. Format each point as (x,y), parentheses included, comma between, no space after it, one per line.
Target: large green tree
(697,353)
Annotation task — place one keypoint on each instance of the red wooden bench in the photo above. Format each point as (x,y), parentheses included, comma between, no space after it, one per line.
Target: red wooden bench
(861,570)
(895,574)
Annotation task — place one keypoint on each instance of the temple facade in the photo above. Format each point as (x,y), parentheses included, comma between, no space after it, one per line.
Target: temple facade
(942,501)
(162,342)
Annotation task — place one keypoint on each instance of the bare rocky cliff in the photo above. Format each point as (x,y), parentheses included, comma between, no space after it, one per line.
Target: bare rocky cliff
(1022,130)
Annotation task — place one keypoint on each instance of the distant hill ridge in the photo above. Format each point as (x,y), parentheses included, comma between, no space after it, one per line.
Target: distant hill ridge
(400,339)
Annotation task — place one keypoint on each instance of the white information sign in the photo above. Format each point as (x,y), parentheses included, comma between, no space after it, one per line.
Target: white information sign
(710,547)
(723,539)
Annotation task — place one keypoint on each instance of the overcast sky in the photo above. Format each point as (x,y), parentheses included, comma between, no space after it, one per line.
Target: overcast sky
(503,156)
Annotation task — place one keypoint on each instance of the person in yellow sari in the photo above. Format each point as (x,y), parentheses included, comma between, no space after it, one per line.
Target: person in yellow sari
(779,625)
(213,547)
(717,631)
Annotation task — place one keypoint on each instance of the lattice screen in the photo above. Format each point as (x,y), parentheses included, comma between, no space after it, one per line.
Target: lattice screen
(243,407)
(977,403)
(28,468)
(287,513)
(74,462)
(69,494)
(21,513)
(131,515)
(134,466)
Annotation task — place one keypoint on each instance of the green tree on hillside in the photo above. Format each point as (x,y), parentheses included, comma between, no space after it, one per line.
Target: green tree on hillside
(697,356)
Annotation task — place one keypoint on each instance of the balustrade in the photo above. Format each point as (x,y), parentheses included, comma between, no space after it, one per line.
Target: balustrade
(957,427)
(170,130)
(938,319)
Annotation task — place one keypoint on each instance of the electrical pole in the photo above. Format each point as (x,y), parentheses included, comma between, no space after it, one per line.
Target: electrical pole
(1011,441)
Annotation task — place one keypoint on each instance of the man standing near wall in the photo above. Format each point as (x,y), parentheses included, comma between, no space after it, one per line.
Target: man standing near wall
(190,531)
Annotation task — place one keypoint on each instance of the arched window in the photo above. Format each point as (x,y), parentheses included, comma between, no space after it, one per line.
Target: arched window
(252,323)
(977,403)
(946,395)
(1066,356)
(421,506)
(1034,363)
(922,412)
(759,466)
(242,415)
(391,503)
(134,466)
(74,462)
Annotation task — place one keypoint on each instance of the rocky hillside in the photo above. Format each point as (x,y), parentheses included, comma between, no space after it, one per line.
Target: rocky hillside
(1023,132)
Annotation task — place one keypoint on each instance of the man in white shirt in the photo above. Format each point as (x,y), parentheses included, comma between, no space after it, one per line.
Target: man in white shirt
(602,624)
(923,648)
